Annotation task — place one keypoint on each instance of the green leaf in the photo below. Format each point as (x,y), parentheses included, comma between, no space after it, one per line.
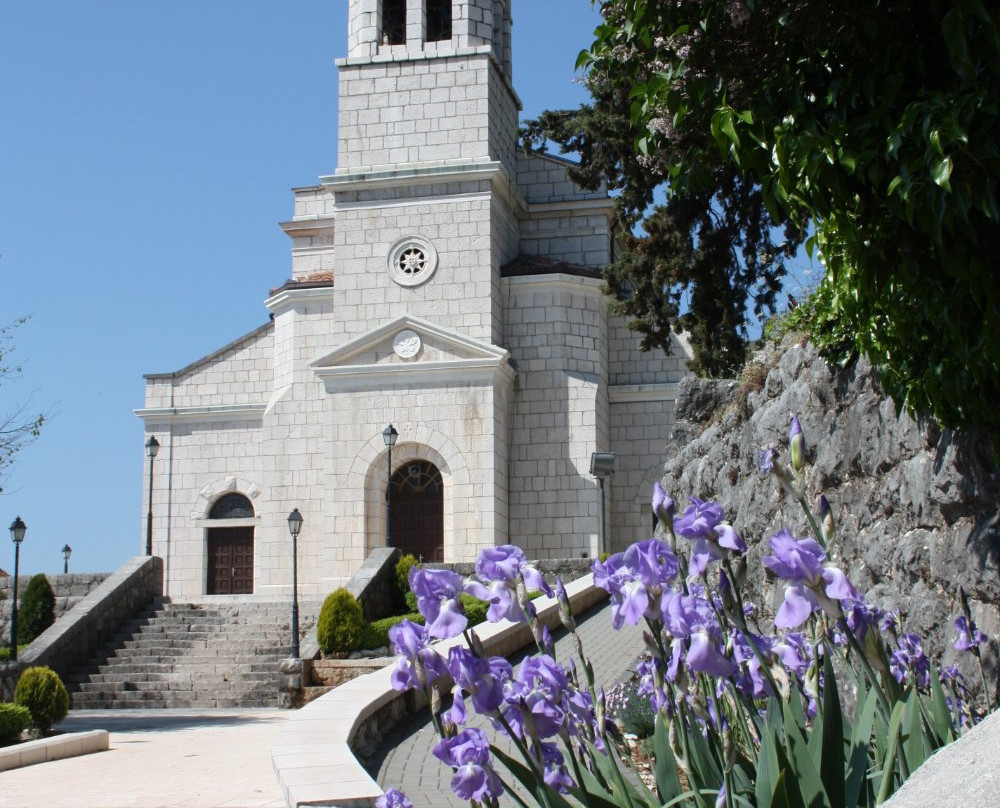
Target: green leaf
(803,767)
(786,792)
(768,769)
(941,173)
(668,784)
(861,734)
(831,767)
(887,783)
(940,714)
(913,733)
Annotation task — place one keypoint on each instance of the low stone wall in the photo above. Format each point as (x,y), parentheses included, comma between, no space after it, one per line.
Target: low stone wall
(69,590)
(91,622)
(316,754)
(334,672)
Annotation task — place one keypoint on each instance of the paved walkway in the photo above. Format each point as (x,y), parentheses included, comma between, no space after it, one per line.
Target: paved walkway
(217,758)
(406,762)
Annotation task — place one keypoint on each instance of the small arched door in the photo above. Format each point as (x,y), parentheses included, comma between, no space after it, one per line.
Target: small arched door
(230,549)
(418,510)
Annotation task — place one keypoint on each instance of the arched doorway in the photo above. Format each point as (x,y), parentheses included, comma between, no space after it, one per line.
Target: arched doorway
(230,549)
(418,510)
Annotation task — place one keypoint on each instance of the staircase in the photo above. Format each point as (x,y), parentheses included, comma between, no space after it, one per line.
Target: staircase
(219,654)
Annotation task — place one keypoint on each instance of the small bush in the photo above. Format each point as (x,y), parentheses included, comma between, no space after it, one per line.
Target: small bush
(635,712)
(14,719)
(43,693)
(376,634)
(475,609)
(341,623)
(38,609)
(403,567)
(411,601)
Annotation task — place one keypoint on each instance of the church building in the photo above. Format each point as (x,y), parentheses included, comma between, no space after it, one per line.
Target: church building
(445,283)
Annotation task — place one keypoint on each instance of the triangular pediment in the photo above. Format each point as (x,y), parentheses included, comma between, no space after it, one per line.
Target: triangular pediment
(408,348)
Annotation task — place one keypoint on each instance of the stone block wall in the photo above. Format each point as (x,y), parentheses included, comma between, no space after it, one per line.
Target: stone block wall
(69,590)
(93,621)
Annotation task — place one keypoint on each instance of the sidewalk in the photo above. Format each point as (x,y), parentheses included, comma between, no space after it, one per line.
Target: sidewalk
(217,758)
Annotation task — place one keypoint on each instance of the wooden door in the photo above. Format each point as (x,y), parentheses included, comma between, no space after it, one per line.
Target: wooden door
(230,561)
(418,511)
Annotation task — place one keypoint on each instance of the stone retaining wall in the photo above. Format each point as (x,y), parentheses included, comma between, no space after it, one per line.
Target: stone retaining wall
(91,622)
(69,589)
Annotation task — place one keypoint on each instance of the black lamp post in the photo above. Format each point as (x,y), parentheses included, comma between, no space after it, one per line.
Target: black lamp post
(294,526)
(17,531)
(389,435)
(67,551)
(152,447)
(602,464)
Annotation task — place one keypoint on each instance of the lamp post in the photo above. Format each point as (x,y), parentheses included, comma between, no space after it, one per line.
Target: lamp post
(389,435)
(294,526)
(602,464)
(67,551)
(152,447)
(17,531)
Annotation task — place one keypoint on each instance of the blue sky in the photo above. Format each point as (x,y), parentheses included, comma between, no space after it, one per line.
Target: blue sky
(146,157)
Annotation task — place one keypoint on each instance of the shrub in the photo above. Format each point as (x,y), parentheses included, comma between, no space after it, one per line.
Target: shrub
(376,633)
(14,719)
(341,623)
(475,609)
(634,711)
(38,609)
(41,690)
(403,567)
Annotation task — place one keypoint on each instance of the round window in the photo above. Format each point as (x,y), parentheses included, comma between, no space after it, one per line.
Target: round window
(412,261)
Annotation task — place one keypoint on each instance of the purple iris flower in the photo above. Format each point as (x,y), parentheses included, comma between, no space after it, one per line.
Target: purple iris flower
(468,753)
(702,524)
(417,664)
(969,637)
(554,771)
(500,567)
(393,798)
(813,585)
(638,580)
(909,660)
(765,459)
(437,594)
(705,656)
(481,678)
(663,505)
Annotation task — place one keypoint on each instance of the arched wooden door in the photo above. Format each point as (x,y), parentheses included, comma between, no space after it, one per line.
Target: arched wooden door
(418,510)
(230,549)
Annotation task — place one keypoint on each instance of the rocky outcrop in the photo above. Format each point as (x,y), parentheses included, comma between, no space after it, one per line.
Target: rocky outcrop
(917,507)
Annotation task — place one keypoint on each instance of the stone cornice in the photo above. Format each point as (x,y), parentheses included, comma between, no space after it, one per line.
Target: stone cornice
(283,298)
(551,280)
(451,373)
(218,413)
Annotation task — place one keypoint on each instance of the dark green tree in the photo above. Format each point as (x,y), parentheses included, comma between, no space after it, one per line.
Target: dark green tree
(873,122)
(38,609)
(694,261)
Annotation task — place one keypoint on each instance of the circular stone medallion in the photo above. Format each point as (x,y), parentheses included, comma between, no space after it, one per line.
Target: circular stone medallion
(406,344)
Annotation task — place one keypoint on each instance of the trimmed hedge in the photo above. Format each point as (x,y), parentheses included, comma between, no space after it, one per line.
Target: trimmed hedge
(376,633)
(14,719)
(341,623)
(41,690)
(38,609)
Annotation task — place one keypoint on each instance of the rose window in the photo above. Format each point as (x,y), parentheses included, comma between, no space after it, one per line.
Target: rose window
(412,261)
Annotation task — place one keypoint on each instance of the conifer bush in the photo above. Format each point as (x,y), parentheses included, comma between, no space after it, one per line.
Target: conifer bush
(14,719)
(41,690)
(38,609)
(341,623)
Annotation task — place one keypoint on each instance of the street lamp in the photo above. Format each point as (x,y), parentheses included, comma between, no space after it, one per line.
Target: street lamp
(152,447)
(602,464)
(294,526)
(17,531)
(67,551)
(389,435)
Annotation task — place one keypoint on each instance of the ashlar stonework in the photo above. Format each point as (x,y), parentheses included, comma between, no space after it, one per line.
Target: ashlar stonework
(441,281)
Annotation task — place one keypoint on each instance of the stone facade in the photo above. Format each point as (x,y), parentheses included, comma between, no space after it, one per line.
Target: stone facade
(445,283)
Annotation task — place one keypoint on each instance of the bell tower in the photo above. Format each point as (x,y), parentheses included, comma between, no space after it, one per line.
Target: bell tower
(427,81)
